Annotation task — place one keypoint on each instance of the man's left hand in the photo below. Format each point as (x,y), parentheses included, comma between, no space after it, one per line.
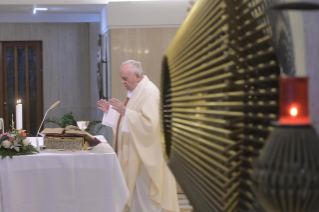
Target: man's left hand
(118,106)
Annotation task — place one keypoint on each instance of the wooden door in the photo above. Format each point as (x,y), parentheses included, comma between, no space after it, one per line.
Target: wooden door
(21,78)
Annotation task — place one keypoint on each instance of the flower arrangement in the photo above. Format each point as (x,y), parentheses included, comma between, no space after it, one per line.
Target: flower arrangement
(15,143)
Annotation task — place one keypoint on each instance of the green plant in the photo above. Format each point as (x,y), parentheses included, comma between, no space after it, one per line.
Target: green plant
(68,119)
(92,124)
(53,120)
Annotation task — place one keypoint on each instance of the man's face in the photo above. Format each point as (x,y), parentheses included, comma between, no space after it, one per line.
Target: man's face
(128,79)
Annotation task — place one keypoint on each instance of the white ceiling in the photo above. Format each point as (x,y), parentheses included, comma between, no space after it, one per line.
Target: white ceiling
(59,6)
(53,9)
(21,11)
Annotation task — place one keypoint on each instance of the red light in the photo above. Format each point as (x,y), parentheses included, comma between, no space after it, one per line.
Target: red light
(294,101)
(293,111)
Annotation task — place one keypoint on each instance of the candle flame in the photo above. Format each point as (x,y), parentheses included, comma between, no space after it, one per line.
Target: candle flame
(293,111)
(54,104)
(18,101)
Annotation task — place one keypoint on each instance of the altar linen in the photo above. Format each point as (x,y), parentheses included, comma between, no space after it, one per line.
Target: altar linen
(151,184)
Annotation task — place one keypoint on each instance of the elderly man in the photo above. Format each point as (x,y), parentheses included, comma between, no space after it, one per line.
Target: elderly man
(138,143)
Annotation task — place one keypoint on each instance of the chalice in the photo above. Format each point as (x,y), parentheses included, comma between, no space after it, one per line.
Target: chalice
(83,124)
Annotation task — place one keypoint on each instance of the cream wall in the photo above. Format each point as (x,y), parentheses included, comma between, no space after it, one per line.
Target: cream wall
(147,14)
(143,14)
(138,30)
(146,45)
(67,69)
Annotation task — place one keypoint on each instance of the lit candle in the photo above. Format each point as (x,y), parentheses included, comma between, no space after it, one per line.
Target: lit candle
(19,116)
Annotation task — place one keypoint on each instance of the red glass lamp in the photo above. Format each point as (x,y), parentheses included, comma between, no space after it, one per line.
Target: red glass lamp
(294,101)
(286,172)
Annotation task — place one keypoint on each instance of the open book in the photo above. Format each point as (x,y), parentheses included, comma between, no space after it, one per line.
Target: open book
(70,131)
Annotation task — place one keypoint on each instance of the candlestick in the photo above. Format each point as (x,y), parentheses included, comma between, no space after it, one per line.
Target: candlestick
(12,122)
(19,116)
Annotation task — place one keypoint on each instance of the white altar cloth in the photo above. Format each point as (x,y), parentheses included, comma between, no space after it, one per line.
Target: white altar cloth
(62,181)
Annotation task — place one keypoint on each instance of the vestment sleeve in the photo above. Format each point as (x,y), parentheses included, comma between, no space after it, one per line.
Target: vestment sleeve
(111,118)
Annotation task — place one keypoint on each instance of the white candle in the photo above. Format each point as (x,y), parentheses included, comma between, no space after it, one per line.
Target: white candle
(19,116)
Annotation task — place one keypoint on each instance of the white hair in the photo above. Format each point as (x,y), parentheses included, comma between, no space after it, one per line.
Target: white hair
(134,66)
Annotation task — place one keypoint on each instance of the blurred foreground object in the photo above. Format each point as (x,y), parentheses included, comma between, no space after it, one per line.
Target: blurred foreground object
(220,92)
(219,96)
(286,173)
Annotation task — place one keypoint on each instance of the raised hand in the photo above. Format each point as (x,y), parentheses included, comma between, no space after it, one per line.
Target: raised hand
(118,106)
(103,105)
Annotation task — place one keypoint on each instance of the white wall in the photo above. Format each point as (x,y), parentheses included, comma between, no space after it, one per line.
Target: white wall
(311,31)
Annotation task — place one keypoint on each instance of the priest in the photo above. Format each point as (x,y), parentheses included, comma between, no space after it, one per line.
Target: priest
(137,142)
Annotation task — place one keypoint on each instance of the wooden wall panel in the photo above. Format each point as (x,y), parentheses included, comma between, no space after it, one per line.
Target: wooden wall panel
(66,63)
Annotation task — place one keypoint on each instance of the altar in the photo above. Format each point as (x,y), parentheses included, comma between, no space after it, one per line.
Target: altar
(62,181)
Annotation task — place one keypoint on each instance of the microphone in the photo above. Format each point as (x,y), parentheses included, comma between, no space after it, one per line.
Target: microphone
(52,106)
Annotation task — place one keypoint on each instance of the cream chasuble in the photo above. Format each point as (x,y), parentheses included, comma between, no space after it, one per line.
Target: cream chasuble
(140,149)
